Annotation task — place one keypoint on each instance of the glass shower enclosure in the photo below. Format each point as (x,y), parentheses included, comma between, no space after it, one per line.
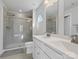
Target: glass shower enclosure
(17,31)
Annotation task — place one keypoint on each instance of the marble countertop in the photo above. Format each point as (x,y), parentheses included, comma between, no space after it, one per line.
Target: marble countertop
(60,44)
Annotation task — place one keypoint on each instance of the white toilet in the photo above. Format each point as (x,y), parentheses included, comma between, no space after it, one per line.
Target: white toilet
(29,47)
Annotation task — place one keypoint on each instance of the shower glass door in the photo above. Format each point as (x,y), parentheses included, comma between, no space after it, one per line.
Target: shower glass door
(17,32)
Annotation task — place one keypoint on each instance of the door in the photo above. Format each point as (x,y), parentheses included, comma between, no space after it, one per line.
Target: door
(67,25)
(22,30)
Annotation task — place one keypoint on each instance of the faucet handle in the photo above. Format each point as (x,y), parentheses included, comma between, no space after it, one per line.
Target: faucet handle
(74,39)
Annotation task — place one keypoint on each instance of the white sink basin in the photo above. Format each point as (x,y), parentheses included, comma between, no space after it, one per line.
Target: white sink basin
(71,46)
(67,46)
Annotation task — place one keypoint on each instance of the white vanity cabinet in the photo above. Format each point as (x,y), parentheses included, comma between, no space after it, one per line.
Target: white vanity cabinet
(38,53)
(43,55)
(42,51)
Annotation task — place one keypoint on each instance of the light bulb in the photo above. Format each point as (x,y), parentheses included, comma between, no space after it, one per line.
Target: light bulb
(20,10)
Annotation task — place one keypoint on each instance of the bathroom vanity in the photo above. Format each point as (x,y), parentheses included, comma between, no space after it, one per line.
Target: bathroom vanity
(53,48)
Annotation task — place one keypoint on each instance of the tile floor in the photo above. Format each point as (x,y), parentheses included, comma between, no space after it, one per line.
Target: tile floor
(16,54)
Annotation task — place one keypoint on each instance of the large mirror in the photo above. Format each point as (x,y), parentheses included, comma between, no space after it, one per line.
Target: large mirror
(51,16)
(62,17)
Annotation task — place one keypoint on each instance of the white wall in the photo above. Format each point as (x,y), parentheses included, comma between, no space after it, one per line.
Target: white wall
(1,27)
(39,28)
(73,12)
(60,18)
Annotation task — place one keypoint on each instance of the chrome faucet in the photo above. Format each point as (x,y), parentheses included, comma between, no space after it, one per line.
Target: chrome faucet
(48,34)
(74,39)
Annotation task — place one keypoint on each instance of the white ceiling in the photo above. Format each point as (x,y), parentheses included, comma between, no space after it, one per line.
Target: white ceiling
(52,10)
(27,5)
(24,5)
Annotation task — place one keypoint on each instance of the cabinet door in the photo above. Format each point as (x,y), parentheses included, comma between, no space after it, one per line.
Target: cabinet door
(36,52)
(43,55)
(33,51)
(39,54)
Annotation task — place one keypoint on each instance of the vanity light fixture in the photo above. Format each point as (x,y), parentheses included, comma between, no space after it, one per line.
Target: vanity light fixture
(46,1)
(20,10)
(50,2)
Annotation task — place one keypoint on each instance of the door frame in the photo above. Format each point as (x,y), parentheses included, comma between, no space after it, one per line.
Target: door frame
(69,14)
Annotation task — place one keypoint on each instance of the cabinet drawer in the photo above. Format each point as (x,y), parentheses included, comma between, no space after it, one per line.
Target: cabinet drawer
(50,52)
(37,42)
